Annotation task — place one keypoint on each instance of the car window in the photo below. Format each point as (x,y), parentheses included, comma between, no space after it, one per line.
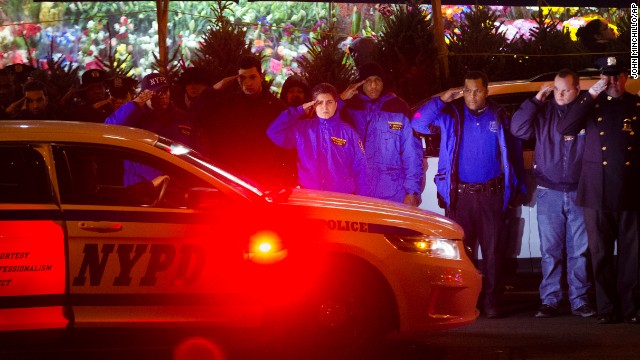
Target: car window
(94,175)
(23,176)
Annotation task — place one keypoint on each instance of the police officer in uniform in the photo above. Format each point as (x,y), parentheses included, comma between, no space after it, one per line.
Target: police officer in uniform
(608,187)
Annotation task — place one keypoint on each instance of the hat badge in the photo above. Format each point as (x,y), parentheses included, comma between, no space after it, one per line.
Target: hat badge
(611,61)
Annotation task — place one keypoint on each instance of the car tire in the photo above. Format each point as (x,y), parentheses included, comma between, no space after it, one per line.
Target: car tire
(351,309)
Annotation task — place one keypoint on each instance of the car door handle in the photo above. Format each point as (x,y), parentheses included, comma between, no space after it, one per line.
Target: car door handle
(100,226)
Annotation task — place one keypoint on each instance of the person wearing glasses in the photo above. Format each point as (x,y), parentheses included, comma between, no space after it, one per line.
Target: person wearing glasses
(152,110)
(330,152)
(480,173)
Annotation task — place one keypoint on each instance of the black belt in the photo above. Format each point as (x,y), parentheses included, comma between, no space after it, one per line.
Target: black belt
(492,186)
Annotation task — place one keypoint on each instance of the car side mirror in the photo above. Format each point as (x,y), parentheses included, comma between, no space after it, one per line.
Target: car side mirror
(205,198)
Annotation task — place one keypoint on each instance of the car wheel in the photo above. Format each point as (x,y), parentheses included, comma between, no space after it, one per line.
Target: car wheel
(351,309)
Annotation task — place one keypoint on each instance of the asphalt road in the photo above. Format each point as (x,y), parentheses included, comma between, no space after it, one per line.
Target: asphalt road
(522,336)
(518,336)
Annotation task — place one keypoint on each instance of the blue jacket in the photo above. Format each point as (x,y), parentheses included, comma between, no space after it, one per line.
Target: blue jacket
(558,158)
(172,123)
(330,153)
(448,117)
(394,153)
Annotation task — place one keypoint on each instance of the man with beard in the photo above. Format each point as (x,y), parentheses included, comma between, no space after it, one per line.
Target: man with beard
(394,153)
(34,105)
(295,91)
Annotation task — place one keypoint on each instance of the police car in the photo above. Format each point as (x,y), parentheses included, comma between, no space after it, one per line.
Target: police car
(83,246)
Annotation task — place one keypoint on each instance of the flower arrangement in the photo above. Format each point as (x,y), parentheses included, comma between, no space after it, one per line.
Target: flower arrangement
(81,32)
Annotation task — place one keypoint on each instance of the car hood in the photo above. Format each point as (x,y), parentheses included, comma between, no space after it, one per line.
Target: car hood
(383,212)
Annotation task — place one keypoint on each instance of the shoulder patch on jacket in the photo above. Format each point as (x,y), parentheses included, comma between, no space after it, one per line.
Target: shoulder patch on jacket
(338,141)
(395,125)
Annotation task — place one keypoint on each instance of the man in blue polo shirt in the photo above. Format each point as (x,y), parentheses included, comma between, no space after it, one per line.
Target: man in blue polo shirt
(479,173)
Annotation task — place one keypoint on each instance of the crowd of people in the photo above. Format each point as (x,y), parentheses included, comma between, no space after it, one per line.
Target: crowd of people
(365,141)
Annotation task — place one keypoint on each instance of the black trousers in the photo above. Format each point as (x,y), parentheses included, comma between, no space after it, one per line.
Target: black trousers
(482,218)
(614,282)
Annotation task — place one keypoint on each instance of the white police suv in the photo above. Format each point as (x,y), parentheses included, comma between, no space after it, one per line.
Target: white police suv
(87,243)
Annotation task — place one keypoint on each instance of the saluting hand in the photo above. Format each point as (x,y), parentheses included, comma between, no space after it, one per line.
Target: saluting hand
(451,95)
(143,97)
(351,90)
(544,92)
(308,107)
(225,82)
(599,86)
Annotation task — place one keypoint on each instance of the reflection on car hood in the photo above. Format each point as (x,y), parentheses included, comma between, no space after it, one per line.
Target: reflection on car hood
(376,210)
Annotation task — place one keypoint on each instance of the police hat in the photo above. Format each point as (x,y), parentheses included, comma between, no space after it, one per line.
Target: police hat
(155,82)
(611,65)
(119,86)
(20,72)
(93,76)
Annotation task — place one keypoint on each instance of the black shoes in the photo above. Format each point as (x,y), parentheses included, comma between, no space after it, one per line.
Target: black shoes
(584,311)
(494,313)
(546,311)
(612,319)
(606,319)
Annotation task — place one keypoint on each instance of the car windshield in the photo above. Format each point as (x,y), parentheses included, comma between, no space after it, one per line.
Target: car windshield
(241,184)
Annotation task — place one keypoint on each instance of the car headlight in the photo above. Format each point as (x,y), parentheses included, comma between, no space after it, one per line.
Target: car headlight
(426,244)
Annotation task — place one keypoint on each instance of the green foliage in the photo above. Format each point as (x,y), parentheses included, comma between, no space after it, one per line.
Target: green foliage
(326,62)
(170,68)
(58,78)
(623,22)
(547,38)
(407,50)
(223,43)
(477,47)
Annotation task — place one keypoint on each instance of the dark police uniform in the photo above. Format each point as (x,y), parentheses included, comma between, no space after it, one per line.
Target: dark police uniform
(609,190)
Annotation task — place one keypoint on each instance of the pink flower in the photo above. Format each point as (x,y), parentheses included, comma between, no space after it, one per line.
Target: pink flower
(124,20)
(385,10)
